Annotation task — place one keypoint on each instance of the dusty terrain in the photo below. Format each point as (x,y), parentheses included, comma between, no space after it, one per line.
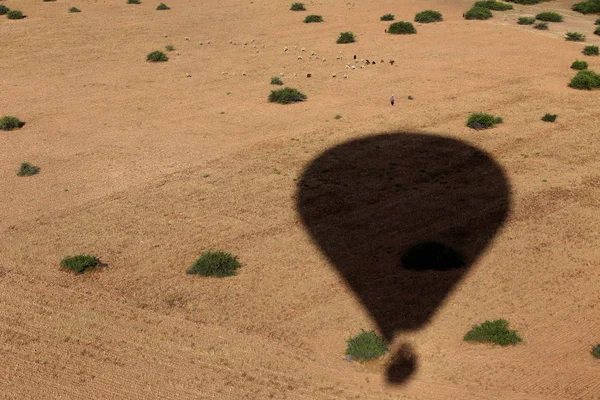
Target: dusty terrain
(147,168)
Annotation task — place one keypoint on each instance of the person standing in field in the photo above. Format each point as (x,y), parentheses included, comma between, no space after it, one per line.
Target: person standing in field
(392,100)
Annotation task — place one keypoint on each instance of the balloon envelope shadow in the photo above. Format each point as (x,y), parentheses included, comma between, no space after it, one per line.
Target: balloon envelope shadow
(402,217)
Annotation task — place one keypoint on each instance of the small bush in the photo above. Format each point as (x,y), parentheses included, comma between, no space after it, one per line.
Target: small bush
(549,117)
(163,6)
(297,7)
(387,17)
(3,9)
(585,80)
(286,96)
(346,37)
(493,5)
(217,264)
(8,123)
(74,10)
(402,28)
(478,13)
(590,50)
(526,21)
(493,332)
(169,47)
(15,14)
(366,346)
(134,2)
(542,26)
(575,37)
(482,121)
(597,22)
(313,18)
(596,351)
(587,7)
(157,56)
(428,16)
(338,116)
(549,16)
(276,81)
(28,169)
(579,65)
(79,263)
(597,31)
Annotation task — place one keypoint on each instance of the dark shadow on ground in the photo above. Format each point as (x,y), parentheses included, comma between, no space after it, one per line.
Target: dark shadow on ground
(402,217)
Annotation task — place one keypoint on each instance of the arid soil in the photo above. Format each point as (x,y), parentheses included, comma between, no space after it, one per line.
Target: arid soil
(147,168)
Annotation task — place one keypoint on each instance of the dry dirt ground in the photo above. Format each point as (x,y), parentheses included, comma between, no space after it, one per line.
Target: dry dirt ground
(147,168)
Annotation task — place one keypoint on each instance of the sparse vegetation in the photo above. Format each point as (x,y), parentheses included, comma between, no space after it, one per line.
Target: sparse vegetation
(575,37)
(338,116)
(549,16)
(157,56)
(587,7)
(134,2)
(286,96)
(218,264)
(297,7)
(542,26)
(526,21)
(3,9)
(74,10)
(410,98)
(585,80)
(169,47)
(596,351)
(597,22)
(478,13)
(591,50)
(549,117)
(15,14)
(8,123)
(80,263)
(276,81)
(387,17)
(346,37)
(163,6)
(428,16)
(579,65)
(493,5)
(366,346)
(402,28)
(493,332)
(313,18)
(597,31)
(482,121)
(28,169)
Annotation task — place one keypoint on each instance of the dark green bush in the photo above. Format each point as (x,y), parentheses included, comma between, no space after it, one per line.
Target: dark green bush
(276,81)
(79,263)
(482,121)
(402,28)
(579,65)
(338,116)
(134,2)
(590,50)
(526,21)
(387,17)
(157,56)
(366,346)
(286,96)
(428,16)
(597,31)
(15,14)
(575,37)
(587,7)
(298,7)
(8,123)
(346,37)
(27,169)
(74,10)
(3,9)
(585,80)
(163,6)
(597,22)
(596,351)
(542,26)
(549,16)
(549,117)
(493,5)
(493,332)
(313,18)
(478,13)
(217,264)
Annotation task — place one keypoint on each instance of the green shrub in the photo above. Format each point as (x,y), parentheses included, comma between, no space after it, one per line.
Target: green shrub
(163,6)
(79,263)
(313,18)
(542,26)
(218,263)
(478,13)
(338,116)
(15,14)
(597,31)
(346,37)
(575,37)
(587,7)
(597,22)
(549,117)
(525,2)
(298,7)
(157,56)
(276,81)
(526,21)
(585,80)
(482,121)
(286,96)
(590,50)
(366,346)
(387,17)
(134,2)
(549,16)
(27,169)
(579,65)
(3,9)
(402,28)
(493,5)
(493,332)
(596,351)
(428,16)
(74,10)
(8,123)
(169,47)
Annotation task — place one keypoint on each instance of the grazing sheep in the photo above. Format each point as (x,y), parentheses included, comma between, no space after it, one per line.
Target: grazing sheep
(201,43)
(188,75)
(294,74)
(166,35)
(353,68)
(178,53)
(345,76)
(231,42)
(333,75)
(308,75)
(312,53)
(362,66)
(300,58)
(303,49)
(367,62)
(281,74)
(253,46)
(285,49)
(264,46)
(225,73)
(324,60)
(243,46)
(244,74)
(391,62)
(187,38)
(209,42)
(382,61)
(252,40)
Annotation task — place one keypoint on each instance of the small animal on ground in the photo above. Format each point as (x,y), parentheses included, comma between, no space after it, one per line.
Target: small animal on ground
(308,75)
(391,62)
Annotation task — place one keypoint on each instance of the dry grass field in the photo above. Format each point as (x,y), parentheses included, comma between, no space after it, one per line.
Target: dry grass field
(147,167)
